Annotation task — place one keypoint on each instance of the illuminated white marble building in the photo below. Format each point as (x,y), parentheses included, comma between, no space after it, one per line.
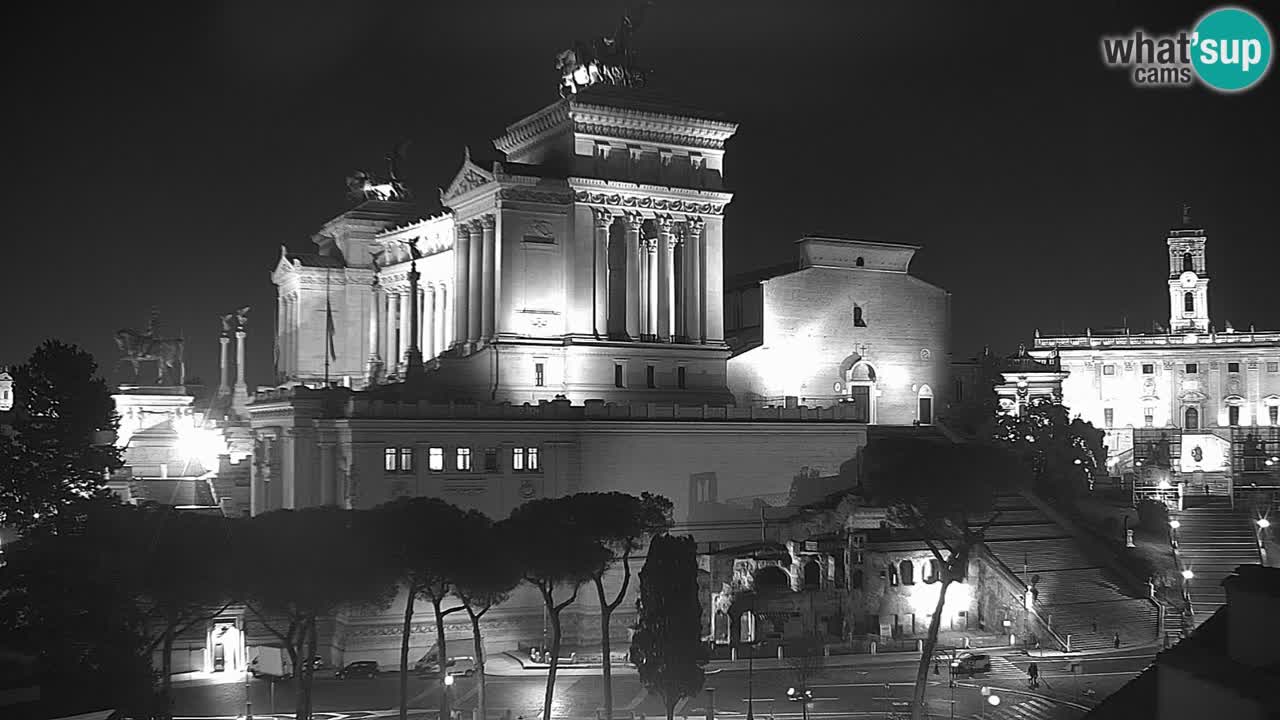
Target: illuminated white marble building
(588,264)
(1212,393)
(571,314)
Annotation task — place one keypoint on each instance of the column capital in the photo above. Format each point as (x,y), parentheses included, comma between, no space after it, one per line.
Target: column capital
(694,223)
(241,334)
(634,221)
(463,231)
(488,221)
(665,224)
(603,217)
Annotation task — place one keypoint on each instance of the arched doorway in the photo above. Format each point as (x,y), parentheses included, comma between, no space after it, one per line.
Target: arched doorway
(924,405)
(861,381)
(1191,419)
(812,575)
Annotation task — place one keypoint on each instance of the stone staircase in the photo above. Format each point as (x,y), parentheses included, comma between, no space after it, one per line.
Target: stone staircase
(1075,595)
(1213,541)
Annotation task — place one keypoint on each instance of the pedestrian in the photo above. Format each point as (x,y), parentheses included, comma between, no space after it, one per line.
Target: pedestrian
(1034,672)
(1095,625)
(936,670)
(1117,641)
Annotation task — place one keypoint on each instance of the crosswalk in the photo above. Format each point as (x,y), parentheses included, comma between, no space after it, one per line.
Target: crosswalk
(1023,708)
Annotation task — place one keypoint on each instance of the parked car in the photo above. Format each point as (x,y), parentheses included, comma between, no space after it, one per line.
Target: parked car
(458,666)
(970,663)
(359,669)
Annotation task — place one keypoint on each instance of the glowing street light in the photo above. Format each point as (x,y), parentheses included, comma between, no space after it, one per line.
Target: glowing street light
(1175,524)
(448,679)
(1262,524)
(1187,574)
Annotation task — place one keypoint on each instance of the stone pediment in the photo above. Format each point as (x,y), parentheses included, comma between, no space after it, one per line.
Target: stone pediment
(470,176)
(1192,396)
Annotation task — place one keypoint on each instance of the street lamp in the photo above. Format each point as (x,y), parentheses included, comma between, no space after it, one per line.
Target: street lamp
(1262,524)
(1173,527)
(1187,574)
(448,700)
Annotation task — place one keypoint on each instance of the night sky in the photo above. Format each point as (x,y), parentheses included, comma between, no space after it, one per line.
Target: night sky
(160,156)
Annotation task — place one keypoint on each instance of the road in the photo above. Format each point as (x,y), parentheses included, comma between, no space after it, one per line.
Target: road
(866,690)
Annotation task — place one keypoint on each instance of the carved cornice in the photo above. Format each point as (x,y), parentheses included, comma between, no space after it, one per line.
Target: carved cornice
(470,176)
(530,128)
(656,127)
(643,202)
(536,196)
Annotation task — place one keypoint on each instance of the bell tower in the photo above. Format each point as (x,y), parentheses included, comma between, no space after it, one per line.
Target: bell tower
(1188,278)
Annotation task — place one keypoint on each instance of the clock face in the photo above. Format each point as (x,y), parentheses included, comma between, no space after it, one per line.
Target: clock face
(1188,279)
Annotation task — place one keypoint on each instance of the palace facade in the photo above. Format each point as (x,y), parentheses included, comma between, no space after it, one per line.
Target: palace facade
(1195,406)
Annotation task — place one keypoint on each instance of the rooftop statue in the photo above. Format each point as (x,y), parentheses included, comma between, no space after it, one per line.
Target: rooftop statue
(608,60)
(139,347)
(362,185)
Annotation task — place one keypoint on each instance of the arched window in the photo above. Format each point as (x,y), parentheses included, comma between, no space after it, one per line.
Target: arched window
(771,576)
(859,262)
(1192,419)
(1188,263)
(858,320)
(907,572)
(812,575)
(932,571)
(1189,302)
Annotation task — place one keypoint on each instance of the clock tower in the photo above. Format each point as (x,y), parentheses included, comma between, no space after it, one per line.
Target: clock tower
(1188,279)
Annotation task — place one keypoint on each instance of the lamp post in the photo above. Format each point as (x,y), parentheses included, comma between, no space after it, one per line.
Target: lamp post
(1173,533)
(448,699)
(1262,524)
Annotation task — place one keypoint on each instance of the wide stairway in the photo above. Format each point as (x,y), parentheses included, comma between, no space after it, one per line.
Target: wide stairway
(1074,594)
(1213,541)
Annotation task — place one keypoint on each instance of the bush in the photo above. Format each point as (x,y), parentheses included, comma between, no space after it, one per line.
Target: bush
(1153,515)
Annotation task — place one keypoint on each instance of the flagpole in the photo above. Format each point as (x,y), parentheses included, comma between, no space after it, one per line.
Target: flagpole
(328,326)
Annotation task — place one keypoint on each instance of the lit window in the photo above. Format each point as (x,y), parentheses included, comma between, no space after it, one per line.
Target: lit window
(539,375)
(1149,416)
(680,377)
(389,459)
(406,459)
(490,459)
(1109,417)
(617,375)
(1233,367)
(1192,368)
(435,459)
(1108,369)
(1148,369)
(464,458)
(650,376)
(531,459)
(1273,414)
(517,459)
(907,572)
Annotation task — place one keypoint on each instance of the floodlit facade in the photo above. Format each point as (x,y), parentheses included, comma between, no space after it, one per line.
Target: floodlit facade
(846,324)
(569,308)
(1200,401)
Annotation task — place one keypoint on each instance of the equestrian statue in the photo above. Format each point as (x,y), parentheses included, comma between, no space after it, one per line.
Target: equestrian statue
(139,347)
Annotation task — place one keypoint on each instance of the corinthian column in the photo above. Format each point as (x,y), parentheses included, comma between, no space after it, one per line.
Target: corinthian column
(633,292)
(475,285)
(461,281)
(488,277)
(651,277)
(600,292)
(240,396)
(666,242)
(429,322)
(373,322)
(693,279)
(444,318)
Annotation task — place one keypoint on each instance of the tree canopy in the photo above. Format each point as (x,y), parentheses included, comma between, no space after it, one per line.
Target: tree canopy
(667,648)
(1063,455)
(60,442)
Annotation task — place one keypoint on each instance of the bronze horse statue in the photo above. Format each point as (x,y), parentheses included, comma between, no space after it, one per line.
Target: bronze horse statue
(166,352)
